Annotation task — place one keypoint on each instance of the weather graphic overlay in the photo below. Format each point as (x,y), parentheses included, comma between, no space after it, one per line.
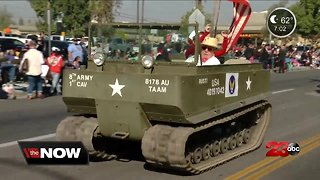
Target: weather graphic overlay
(281,22)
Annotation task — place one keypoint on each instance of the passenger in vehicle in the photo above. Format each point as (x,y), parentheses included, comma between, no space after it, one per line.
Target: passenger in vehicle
(208,48)
(190,51)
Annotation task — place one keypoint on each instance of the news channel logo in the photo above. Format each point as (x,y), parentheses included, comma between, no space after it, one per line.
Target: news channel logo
(282,148)
(54,152)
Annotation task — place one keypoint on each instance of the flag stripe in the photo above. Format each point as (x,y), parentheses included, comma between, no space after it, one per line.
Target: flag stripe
(238,29)
(241,15)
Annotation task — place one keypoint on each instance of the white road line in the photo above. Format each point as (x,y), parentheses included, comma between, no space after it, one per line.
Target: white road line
(282,91)
(12,143)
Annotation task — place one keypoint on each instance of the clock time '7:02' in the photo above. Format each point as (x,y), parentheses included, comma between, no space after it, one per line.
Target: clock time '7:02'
(280,28)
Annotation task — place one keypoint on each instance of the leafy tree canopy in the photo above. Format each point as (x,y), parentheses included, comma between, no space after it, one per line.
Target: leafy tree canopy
(307,13)
(5,18)
(76,14)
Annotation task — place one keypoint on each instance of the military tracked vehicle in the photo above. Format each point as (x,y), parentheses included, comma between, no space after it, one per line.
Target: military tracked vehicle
(187,117)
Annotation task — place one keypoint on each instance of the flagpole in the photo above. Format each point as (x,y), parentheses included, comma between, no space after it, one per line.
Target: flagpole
(217,12)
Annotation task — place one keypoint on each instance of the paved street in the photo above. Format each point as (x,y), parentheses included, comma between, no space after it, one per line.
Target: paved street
(295,118)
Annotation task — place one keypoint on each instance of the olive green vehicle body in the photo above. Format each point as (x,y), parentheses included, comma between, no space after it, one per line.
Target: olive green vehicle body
(187,117)
(175,93)
(128,98)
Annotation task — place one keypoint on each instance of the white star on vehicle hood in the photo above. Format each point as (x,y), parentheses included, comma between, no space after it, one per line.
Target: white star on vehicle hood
(248,83)
(116,88)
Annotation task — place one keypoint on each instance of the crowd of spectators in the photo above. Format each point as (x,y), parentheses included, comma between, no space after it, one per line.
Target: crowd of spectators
(13,59)
(275,57)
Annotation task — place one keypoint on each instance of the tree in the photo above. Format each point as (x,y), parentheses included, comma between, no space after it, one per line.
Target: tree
(101,12)
(5,18)
(77,14)
(307,13)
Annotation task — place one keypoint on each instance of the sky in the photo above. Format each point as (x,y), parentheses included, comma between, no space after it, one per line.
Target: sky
(154,10)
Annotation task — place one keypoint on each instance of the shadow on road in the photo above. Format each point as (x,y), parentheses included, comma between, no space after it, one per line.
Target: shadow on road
(46,172)
(318,86)
(161,169)
(318,90)
(126,151)
(121,150)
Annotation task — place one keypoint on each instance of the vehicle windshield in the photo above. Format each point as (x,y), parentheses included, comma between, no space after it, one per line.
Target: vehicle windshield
(121,42)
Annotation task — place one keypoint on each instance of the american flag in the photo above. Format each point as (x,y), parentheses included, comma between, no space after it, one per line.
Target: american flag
(241,15)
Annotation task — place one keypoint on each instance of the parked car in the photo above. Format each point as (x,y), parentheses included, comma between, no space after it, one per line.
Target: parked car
(119,44)
(58,37)
(12,43)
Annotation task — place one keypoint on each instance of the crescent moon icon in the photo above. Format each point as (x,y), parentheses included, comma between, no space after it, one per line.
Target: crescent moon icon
(272,19)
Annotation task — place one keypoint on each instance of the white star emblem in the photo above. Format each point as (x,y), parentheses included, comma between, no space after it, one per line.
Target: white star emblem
(248,83)
(116,88)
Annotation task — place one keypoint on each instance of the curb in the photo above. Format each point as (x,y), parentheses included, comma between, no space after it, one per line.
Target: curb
(20,92)
(21,95)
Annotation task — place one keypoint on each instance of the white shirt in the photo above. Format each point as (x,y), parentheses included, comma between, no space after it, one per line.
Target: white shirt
(35,60)
(212,61)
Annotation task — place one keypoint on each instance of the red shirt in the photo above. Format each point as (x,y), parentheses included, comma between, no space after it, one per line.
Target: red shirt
(55,63)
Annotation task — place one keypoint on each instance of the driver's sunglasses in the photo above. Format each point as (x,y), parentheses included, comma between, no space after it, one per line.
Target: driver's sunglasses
(208,47)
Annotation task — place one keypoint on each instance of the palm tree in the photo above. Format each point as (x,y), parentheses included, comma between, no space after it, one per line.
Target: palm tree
(198,3)
(102,10)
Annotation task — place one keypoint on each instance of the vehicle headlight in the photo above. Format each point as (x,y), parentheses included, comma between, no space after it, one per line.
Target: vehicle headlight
(98,59)
(147,61)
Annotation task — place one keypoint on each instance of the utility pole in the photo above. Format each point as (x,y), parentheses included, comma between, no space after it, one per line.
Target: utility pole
(138,11)
(49,25)
(142,13)
(198,2)
(216,15)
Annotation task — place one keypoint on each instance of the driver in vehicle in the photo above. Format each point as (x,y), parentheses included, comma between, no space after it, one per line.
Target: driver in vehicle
(208,48)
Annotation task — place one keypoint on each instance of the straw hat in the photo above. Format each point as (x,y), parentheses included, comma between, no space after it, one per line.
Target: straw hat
(210,41)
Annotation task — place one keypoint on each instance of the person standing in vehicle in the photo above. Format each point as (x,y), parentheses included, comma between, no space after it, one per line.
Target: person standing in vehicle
(34,59)
(55,63)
